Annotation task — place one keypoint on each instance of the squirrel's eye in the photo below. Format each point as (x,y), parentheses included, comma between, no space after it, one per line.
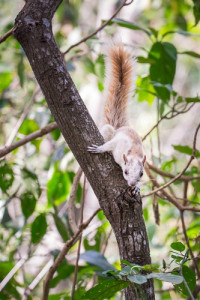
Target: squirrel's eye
(141,174)
(126,172)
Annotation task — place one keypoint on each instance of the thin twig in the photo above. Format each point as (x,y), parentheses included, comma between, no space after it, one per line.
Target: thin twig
(166,174)
(181,173)
(6,35)
(79,244)
(125,3)
(7,149)
(167,116)
(71,207)
(62,254)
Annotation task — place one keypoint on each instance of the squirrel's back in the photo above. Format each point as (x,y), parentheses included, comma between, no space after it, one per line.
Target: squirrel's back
(119,83)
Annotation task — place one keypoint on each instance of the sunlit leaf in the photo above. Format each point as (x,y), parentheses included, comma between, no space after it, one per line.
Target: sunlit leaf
(190,278)
(178,246)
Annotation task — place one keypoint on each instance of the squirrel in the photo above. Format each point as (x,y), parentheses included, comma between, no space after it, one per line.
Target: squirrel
(121,140)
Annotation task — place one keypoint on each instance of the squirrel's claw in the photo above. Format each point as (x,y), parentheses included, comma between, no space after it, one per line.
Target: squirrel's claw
(135,190)
(94,149)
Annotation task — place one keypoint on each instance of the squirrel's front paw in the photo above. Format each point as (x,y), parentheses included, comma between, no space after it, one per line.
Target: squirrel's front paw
(135,190)
(95,149)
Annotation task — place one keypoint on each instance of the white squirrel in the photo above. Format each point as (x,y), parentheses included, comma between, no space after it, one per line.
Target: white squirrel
(124,142)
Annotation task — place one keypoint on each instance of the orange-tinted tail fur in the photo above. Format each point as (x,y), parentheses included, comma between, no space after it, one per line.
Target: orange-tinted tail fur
(118,85)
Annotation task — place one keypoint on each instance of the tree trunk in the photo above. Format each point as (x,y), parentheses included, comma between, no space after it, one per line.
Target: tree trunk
(33,30)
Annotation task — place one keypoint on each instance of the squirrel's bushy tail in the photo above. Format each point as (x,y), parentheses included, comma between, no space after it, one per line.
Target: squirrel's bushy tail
(119,83)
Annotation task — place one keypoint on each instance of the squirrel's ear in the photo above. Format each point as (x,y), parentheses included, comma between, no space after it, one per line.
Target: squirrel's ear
(144,159)
(125,158)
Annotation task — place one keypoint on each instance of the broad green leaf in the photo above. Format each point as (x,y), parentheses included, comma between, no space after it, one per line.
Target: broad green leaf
(190,278)
(163,70)
(186,150)
(60,296)
(139,279)
(106,289)
(30,181)
(5,80)
(61,227)
(126,270)
(28,203)
(58,187)
(95,258)
(38,228)
(129,25)
(175,279)
(6,176)
(28,126)
(178,246)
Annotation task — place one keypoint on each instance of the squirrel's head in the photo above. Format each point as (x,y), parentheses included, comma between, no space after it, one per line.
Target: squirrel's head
(133,169)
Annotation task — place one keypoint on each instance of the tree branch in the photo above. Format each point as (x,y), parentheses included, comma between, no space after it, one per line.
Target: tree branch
(30,137)
(6,35)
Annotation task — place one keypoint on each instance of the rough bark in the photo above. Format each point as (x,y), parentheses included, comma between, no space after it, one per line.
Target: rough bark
(33,30)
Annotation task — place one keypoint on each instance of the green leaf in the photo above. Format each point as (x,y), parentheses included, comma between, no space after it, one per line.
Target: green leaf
(163,70)
(178,246)
(5,80)
(61,227)
(30,182)
(28,126)
(175,279)
(190,278)
(196,11)
(186,150)
(95,258)
(6,176)
(139,279)
(28,203)
(106,289)
(145,90)
(38,228)
(129,25)
(58,187)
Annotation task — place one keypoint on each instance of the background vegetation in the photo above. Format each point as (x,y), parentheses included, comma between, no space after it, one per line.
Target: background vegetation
(36,177)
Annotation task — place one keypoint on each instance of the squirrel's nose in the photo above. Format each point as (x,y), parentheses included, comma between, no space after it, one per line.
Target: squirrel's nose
(132,183)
